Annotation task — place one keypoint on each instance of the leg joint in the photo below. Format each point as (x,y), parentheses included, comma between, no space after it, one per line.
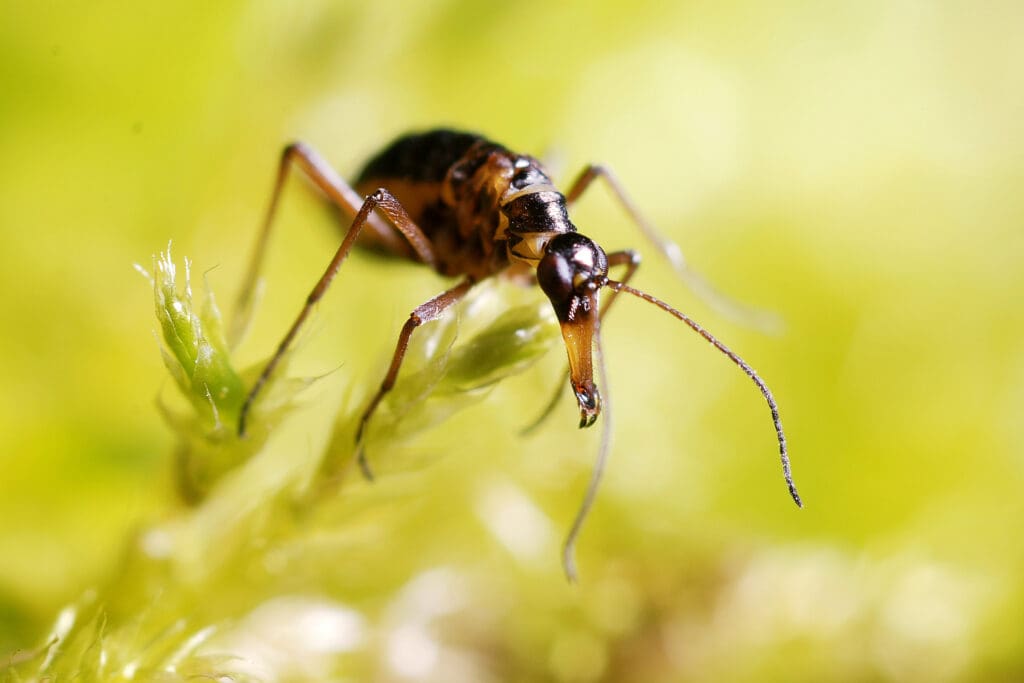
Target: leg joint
(294,148)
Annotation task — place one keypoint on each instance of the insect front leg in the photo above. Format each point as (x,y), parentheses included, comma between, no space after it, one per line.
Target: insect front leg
(426,312)
(766,321)
(382,201)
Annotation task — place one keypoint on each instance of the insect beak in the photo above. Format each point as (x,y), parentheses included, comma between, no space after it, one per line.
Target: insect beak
(579,325)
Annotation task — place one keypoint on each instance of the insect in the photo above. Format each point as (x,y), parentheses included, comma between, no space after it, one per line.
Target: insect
(471,208)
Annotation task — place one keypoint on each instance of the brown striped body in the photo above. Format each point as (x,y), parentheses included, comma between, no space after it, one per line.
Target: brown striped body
(484,209)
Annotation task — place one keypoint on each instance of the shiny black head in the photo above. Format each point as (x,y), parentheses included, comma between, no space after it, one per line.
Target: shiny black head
(572,269)
(571,273)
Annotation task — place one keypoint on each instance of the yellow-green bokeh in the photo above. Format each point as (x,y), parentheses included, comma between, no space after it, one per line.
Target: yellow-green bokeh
(856,167)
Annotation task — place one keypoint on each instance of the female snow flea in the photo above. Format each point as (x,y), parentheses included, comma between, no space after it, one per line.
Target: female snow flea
(472,209)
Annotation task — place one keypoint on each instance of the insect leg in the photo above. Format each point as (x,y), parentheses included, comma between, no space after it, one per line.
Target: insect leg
(766,321)
(426,312)
(631,260)
(337,191)
(324,177)
(380,200)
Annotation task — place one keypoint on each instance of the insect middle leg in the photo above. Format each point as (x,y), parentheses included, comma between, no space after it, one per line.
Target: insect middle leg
(341,195)
(426,312)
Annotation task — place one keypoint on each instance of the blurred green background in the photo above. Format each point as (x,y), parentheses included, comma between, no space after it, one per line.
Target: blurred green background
(856,167)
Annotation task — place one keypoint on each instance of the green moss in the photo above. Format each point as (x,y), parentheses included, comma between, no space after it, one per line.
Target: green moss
(191,577)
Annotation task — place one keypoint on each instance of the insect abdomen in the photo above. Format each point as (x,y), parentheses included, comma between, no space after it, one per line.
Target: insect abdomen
(419,157)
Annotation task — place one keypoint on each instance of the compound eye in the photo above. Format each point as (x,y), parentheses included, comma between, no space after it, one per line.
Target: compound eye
(583,262)
(555,276)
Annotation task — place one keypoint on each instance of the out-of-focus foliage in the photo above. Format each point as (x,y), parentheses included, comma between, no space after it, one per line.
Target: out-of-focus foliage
(853,166)
(266,504)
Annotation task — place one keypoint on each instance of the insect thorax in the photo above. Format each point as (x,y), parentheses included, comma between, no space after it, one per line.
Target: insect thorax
(504,197)
(483,207)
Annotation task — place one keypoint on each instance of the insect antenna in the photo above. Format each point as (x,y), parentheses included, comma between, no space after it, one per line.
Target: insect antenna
(569,548)
(786,471)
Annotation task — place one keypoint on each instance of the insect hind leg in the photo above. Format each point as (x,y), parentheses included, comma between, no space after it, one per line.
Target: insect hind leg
(336,190)
(382,201)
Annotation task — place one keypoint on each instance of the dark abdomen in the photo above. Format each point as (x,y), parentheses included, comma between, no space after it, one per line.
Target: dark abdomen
(419,157)
(414,168)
